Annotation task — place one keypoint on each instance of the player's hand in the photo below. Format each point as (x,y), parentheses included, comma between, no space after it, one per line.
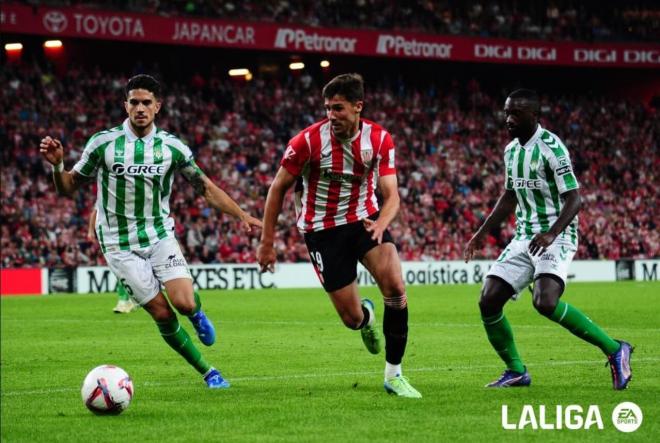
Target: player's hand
(266,257)
(540,242)
(247,221)
(472,246)
(375,229)
(52,150)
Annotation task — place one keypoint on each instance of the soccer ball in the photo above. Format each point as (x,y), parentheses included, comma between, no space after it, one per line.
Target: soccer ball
(107,390)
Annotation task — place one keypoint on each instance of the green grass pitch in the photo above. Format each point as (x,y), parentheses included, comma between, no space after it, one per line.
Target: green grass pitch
(298,375)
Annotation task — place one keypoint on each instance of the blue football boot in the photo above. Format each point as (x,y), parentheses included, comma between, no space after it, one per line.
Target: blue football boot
(204,328)
(214,380)
(510,379)
(619,362)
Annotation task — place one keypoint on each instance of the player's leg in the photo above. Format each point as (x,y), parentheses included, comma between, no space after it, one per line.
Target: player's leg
(382,262)
(138,277)
(550,280)
(335,262)
(171,269)
(124,302)
(504,280)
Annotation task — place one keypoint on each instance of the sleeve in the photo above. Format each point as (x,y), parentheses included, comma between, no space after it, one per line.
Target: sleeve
(562,169)
(508,171)
(386,156)
(296,155)
(183,156)
(92,155)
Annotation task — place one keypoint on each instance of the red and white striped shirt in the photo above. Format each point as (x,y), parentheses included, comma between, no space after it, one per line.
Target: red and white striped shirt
(338,178)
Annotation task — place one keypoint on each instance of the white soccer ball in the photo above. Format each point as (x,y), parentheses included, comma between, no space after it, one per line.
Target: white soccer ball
(107,390)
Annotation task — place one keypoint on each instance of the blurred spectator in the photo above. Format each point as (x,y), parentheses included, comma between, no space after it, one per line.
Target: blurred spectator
(449,141)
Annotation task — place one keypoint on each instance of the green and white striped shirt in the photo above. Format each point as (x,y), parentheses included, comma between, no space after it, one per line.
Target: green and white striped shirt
(539,172)
(134,179)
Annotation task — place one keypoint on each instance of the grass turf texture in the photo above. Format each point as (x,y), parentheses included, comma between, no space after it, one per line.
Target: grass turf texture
(298,375)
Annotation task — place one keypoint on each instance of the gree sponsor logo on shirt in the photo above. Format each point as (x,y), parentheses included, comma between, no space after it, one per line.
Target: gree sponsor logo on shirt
(523,183)
(146,170)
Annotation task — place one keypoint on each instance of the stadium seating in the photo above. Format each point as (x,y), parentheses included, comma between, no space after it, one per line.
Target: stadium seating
(608,20)
(450,143)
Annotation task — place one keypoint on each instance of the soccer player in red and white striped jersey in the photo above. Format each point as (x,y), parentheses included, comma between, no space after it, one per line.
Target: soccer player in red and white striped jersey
(338,163)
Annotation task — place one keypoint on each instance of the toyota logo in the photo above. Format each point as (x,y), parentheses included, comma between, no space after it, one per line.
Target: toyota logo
(55,21)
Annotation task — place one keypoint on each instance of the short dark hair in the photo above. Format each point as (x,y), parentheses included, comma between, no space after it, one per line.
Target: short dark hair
(527,94)
(349,86)
(144,81)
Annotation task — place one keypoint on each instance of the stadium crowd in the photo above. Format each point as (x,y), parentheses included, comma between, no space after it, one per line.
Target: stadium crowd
(450,143)
(608,20)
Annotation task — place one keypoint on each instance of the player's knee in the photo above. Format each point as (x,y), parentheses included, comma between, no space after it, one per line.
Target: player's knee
(351,320)
(487,305)
(184,305)
(161,314)
(545,302)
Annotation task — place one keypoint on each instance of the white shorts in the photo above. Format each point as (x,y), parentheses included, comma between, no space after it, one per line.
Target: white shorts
(142,271)
(519,268)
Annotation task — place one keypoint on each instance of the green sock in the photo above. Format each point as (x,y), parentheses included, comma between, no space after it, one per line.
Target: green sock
(180,341)
(580,325)
(500,336)
(198,303)
(121,292)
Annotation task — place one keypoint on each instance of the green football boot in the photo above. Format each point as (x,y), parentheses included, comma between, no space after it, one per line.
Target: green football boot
(370,335)
(401,387)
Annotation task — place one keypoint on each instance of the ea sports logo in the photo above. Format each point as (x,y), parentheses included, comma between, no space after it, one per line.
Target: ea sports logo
(627,417)
(55,21)
(118,168)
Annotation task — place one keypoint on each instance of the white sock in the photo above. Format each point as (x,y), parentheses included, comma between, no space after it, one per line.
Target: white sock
(392,370)
(372,316)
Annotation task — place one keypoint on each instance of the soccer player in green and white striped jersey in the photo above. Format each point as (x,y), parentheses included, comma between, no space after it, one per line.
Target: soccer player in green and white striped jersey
(134,165)
(542,188)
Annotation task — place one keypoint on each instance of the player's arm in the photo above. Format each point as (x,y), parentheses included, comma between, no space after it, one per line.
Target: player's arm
(216,197)
(66,182)
(389,189)
(266,252)
(91,225)
(571,207)
(505,205)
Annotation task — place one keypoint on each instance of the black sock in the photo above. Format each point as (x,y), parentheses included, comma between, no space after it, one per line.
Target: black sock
(365,320)
(395,329)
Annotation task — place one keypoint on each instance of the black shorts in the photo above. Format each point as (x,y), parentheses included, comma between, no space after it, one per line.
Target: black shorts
(335,252)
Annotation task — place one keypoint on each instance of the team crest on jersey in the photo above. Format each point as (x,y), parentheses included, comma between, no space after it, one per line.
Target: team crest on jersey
(289,153)
(366,155)
(158,155)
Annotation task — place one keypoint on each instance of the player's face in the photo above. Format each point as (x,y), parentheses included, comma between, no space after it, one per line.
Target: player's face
(344,115)
(141,107)
(520,117)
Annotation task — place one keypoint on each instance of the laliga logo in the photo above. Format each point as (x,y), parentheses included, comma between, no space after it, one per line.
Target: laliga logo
(626,417)
(55,21)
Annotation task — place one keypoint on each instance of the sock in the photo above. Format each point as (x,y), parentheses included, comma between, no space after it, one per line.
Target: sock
(368,319)
(580,325)
(391,370)
(121,292)
(180,341)
(395,329)
(500,336)
(198,303)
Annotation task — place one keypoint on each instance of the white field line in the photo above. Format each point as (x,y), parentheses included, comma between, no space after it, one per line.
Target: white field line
(321,374)
(323,323)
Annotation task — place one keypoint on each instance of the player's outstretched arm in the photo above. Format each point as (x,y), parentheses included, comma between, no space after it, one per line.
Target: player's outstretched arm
(266,252)
(505,205)
(66,182)
(216,197)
